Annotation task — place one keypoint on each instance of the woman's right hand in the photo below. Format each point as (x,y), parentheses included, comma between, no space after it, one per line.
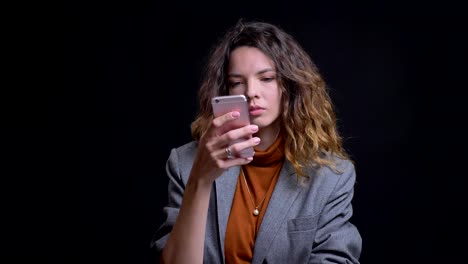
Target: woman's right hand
(212,155)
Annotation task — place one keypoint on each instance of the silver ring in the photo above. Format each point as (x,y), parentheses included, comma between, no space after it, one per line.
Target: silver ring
(229,153)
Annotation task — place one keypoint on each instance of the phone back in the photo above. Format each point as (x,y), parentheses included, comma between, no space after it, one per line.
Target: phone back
(224,104)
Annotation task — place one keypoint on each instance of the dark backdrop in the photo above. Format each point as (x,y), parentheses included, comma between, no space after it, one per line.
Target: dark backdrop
(131,72)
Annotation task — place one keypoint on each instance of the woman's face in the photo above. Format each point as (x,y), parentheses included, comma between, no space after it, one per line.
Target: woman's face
(253,74)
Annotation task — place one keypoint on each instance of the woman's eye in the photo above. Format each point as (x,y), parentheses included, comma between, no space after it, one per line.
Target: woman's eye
(234,84)
(268,79)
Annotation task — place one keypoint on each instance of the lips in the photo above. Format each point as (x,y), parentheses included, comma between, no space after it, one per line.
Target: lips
(256,110)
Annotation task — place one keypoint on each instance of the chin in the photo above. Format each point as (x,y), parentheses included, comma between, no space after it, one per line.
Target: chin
(261,123)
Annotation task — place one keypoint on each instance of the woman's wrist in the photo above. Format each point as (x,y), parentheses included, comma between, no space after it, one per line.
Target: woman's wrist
(199,183)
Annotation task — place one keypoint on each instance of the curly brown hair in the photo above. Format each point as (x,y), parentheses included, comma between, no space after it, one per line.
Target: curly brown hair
(308,119)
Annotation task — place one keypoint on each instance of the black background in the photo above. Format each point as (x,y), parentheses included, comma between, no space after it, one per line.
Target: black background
(131,71)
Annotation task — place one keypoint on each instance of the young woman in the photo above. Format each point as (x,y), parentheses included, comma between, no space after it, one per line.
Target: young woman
(291,201)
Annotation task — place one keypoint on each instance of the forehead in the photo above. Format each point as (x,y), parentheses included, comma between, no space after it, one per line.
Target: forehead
(249,59)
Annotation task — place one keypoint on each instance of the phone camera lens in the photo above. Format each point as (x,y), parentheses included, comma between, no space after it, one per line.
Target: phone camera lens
(216,101)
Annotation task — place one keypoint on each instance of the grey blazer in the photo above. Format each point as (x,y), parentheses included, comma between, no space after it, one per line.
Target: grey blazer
(305,222)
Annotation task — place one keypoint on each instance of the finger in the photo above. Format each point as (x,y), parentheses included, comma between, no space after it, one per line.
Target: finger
(221,120)
(234,151)
(238,147)
(236,162)
(235,135)
(223,154)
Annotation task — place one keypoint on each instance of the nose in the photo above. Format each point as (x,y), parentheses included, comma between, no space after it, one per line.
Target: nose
(251,90)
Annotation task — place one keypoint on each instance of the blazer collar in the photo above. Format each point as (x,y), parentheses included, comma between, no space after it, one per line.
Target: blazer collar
(285,192)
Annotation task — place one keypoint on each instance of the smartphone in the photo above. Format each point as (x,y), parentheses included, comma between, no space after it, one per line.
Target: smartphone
(228,103)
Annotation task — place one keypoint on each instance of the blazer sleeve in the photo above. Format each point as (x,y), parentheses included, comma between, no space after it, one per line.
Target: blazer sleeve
(171,210)
(337,240)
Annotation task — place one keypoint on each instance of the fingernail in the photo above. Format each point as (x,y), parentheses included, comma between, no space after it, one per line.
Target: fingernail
(235,114)
(254,128)
(256,140)
(249,158)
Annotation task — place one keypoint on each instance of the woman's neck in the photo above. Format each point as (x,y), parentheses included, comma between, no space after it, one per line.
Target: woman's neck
(268,135)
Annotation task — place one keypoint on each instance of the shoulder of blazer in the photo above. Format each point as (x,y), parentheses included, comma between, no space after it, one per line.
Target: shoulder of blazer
(342,166)
(183,156)
(187,150)
(328,176)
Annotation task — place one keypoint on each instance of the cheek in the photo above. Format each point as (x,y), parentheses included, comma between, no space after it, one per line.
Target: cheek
(277,100)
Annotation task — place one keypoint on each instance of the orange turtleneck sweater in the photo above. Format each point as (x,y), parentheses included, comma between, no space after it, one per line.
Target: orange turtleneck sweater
(261,176)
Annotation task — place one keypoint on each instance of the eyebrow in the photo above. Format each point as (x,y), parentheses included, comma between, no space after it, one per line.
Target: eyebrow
(258,73)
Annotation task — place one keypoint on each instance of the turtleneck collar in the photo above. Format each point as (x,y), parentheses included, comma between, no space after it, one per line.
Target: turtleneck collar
(273,154)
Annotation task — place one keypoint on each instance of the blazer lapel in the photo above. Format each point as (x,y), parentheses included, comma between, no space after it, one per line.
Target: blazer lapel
(225,188)
(284,194)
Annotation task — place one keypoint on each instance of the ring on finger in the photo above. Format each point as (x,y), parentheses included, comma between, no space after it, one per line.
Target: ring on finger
(229,153)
